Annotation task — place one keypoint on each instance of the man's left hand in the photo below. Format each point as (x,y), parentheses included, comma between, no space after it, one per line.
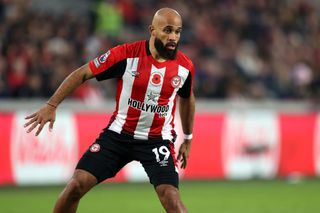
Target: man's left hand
(184,153)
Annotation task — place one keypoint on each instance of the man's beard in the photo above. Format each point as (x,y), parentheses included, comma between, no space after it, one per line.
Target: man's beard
(163,51)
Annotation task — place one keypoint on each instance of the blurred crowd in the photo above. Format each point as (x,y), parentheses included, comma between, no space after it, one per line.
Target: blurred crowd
(251,49)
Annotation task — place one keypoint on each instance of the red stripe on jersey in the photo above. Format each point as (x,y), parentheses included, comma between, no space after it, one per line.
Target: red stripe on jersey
(173,154)
(173,132)
(165,95)
(139,89)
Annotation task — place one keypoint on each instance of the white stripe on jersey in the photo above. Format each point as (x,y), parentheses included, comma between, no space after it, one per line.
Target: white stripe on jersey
(128,79)
(167,128)
(146,118)
(183,73)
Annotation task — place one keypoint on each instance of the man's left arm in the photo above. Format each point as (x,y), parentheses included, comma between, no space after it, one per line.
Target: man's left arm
(187,110)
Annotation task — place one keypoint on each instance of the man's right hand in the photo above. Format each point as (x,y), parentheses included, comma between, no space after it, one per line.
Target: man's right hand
(46,114)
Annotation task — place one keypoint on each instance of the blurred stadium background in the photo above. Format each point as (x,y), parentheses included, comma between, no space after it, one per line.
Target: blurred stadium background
(257,83)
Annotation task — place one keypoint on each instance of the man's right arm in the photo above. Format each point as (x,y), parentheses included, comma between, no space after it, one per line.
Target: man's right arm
(47,112)
(73,81)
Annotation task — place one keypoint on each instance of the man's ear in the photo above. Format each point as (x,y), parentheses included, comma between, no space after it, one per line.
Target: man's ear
(151,30)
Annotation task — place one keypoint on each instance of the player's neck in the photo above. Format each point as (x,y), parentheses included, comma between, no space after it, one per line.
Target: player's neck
(154,52)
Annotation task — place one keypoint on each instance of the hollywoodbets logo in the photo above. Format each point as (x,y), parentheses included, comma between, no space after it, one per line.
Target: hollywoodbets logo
(162,110)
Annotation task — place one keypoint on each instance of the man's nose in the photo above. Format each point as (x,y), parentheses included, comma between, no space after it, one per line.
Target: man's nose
(173,36)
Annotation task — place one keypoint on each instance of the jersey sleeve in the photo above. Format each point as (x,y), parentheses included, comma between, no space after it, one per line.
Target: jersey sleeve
(186,90)
(110,64)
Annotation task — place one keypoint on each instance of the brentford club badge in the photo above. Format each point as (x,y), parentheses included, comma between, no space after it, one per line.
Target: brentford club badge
(176,81)
(95,147)
(156,79)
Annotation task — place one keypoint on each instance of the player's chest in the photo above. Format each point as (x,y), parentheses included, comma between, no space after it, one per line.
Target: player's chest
(149,77)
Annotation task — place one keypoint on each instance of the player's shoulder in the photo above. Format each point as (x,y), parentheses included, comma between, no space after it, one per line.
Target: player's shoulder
(134,44)
(184,60)
(135,48)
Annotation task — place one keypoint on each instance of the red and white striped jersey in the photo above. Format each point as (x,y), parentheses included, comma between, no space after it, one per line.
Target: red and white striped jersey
(146,89)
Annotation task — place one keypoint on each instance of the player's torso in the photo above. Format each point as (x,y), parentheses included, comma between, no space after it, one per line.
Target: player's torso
(153,85)
(147,96)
